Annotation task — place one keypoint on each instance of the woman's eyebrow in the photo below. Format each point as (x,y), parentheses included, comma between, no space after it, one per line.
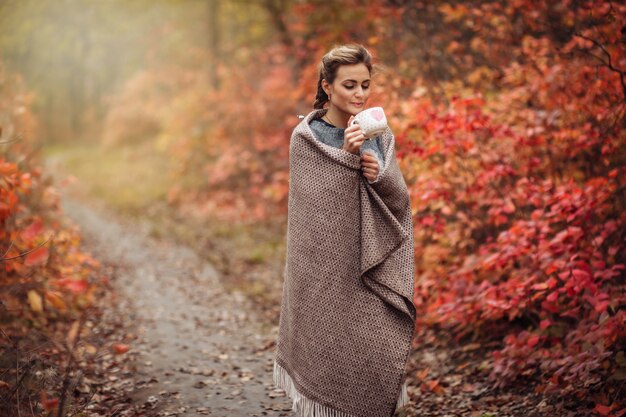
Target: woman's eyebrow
(355,81)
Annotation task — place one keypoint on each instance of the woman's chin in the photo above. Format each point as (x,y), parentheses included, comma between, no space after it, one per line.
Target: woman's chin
(356,109)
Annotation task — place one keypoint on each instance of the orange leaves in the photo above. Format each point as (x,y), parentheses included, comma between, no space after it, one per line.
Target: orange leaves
(7,168)
(43,280)
(25,205)
(434,386)
(426,385)
(55,299)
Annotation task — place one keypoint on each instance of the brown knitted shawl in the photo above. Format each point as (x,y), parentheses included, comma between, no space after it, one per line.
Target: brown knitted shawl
(347,314)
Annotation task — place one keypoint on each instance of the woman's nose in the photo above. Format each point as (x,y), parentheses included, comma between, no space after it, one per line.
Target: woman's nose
(359,92)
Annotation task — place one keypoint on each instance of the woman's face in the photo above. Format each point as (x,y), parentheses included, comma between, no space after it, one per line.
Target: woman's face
(351,89)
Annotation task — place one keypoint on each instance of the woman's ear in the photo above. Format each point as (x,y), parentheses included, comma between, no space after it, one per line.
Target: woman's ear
(326,86)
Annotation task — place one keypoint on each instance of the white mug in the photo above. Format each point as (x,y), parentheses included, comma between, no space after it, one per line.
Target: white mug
(372,121)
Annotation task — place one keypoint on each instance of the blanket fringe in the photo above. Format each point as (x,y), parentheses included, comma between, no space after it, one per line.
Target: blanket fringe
(306,407)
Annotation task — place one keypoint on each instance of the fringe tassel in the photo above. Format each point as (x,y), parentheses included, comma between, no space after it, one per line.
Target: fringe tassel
(403,399)
(305,407)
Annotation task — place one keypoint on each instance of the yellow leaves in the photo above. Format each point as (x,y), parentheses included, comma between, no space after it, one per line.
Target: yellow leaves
(72,334)
(35,301)
(52,298)
(90,349)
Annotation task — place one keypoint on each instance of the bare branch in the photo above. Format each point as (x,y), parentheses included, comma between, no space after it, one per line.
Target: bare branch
(608,63)
(25,253)
(8,249)
(15,139)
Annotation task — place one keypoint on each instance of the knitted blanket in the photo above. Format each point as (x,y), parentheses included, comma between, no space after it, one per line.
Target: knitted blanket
(347,314)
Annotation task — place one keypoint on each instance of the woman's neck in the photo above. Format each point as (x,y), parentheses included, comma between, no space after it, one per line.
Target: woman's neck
(337,117)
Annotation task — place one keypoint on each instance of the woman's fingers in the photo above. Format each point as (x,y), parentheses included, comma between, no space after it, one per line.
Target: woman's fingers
(356,140)
(353,137)
(369,165)
(369,157)
(351,130)
(370,169)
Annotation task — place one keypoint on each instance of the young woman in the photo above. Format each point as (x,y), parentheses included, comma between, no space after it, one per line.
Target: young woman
(347,314)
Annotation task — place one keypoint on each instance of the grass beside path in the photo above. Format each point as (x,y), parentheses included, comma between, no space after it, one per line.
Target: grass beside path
(130,180)
(134,181)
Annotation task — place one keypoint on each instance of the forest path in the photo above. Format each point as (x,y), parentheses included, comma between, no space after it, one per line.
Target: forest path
(200,350)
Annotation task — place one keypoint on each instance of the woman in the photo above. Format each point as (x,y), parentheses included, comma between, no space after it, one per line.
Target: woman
(347,316)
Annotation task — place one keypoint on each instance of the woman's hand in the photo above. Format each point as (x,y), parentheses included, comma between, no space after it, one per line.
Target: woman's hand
(353,137)
(369,165)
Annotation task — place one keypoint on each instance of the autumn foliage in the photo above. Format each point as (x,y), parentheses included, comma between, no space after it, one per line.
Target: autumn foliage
(46,282)
(520,203)
(509,119)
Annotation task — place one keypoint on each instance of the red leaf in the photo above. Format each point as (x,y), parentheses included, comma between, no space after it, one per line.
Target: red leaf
(580,274)
(37,257)
(120,348)
(601,306)
(77,286)
(544,324)
(48,404)
(32,231)
(435,387)
(550,269)
(603,410)
(532,341)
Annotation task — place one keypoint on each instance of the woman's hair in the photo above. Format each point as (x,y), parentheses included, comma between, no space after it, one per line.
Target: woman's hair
(340,55)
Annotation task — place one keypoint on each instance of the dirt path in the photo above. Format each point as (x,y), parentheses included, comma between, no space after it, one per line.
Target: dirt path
(199,350)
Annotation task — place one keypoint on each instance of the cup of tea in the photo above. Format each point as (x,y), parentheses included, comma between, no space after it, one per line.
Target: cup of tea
(372,121)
